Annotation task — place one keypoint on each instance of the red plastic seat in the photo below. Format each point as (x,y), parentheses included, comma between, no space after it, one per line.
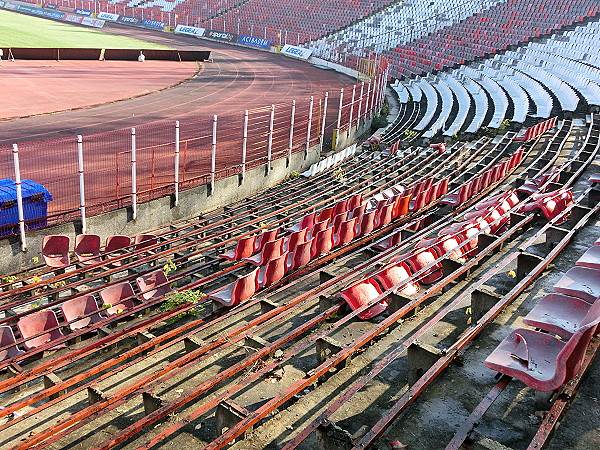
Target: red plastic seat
(318,227)
(359,211)
(419,259)
(55,250)
(142,241)
(345,233)
(87,248)
(551,204)
(366,224)
(40,328)
(442,188)
(363,293)
(355,201)
(340,207)
(449,247)
(294,239)
(401,205)
(397,277)
(458,198)
(270,250)
(266,236)
(306,222)
(239,291)
(322,242)
(244,248)
(119,297)
(273,271)
(337,220)
(299,256)
(558,314)
(325,214)
(153,285)
(590,259)
(383,215)
(580,282)
(116,246)
(7,339)
(540,360)
(81,312)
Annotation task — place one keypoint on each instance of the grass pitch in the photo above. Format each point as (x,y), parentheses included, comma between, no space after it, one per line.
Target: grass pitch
(19,30)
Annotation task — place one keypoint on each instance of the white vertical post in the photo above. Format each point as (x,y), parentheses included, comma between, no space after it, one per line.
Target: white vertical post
(367,104)
(352,107)
(362,90)
(339,120)
(133,176)
(213,157)
(19,197)
(81,183)
(324,118)
(310,116)
(177,144)
(291,141)
(270,141)
(244,144)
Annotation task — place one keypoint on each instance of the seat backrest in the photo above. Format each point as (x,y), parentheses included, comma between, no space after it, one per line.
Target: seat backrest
(345,232)
(322,242)
(299,256)
(393,275)
(141,241)
(442,187)
(337,220)
(308,220)
(245,247)
(295,238)
(383,215)
(325,214)
(82,307)
(87,243)
(116,293)
(245,287)
(271,250)
(570,358)
(354,201)
(273,271)
(340,207)
(366,224)
(55,244)
(116,242)
(266,236)
(359,210)
(362,293)
(153,284)
(318,227)
(7,338)
(40,326)
(401,205)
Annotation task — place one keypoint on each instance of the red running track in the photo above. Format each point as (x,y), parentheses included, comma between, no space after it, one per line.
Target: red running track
(236,80)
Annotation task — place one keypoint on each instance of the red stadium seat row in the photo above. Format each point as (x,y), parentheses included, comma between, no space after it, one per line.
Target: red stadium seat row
(404,273)
(43,326)
(565,321)
(87,248)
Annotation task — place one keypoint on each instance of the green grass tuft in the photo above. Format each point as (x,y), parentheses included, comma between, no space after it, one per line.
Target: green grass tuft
(19,30)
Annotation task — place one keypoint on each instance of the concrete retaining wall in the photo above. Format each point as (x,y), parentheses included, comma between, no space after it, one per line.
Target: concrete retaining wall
(156,213)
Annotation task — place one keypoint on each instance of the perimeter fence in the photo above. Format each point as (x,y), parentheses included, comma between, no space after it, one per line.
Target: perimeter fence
(92,174)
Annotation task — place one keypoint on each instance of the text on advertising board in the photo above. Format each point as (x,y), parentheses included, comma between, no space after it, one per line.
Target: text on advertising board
(221,35)
(108,16)
(192,31)
(298,52)
(255,42)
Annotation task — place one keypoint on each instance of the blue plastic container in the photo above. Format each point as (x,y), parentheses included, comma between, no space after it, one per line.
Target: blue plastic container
(35,205)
